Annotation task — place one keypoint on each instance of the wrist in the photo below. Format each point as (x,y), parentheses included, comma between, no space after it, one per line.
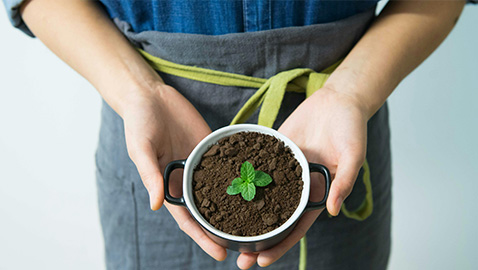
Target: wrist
(129,91)
(327,97)
(344,92)
(367,91)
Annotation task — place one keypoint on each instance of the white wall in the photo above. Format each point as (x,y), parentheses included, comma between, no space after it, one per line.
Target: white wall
(49,119)
(434,116)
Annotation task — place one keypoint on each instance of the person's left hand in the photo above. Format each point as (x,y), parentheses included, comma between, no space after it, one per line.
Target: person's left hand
(331,129)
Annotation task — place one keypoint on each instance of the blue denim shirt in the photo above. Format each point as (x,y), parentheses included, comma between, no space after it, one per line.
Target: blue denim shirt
(217,17)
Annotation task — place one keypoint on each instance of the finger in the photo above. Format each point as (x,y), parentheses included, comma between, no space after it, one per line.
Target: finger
(247,260)
(343,183)
(188,225)
(146,160)
(267,257)
(317,187)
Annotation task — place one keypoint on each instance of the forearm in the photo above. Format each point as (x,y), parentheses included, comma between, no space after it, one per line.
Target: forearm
(82,35)
(403,36)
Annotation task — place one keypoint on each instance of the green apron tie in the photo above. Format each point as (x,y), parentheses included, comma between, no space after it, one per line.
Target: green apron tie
(270,94)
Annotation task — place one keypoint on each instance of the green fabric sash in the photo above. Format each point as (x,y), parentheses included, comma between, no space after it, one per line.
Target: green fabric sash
(269,94)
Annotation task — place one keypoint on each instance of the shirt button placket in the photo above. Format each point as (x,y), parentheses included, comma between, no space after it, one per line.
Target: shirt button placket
(257,15)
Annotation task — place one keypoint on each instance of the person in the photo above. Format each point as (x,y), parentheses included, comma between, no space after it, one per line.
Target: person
(150,118)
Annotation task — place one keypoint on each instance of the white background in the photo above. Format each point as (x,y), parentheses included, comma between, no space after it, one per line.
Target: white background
(49,121)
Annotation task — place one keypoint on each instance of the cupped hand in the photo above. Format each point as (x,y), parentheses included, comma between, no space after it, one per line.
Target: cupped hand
(331,129)
(162,126)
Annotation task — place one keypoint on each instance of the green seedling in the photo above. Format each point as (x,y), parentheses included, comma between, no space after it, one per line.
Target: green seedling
(246,184)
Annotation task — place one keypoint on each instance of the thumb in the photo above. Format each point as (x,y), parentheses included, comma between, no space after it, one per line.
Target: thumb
(347,171)
(146,161)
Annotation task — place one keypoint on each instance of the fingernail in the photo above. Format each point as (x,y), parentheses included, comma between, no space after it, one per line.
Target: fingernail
(262,262)
(338,204)
(151,201)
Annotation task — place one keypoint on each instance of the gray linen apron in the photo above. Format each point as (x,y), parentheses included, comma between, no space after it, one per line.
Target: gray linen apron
(138,238)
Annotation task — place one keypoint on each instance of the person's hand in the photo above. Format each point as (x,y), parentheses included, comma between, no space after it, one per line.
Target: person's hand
(331,129)
(161,126)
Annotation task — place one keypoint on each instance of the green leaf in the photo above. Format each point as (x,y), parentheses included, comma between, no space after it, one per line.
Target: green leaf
(247,172)
(235,187)
(248,191)
(262,179)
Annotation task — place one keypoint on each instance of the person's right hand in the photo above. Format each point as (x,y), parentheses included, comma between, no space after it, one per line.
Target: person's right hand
(162,126)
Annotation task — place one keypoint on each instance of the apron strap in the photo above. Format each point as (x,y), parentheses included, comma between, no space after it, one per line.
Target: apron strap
(270,95)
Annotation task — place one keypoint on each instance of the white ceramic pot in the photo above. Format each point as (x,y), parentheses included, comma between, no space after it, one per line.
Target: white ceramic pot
(244,243)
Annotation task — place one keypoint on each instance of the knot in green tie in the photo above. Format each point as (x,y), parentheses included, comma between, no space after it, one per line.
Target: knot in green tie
(271,94)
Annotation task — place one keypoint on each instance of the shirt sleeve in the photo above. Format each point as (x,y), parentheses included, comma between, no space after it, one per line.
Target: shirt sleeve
(13,12)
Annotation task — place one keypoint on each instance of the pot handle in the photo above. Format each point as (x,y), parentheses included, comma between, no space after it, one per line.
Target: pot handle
(173,165)
(325,172)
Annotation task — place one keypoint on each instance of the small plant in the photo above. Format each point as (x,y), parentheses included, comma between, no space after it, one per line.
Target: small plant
(246,184)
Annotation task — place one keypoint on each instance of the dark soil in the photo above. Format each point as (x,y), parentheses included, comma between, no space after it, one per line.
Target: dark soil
(272,206)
